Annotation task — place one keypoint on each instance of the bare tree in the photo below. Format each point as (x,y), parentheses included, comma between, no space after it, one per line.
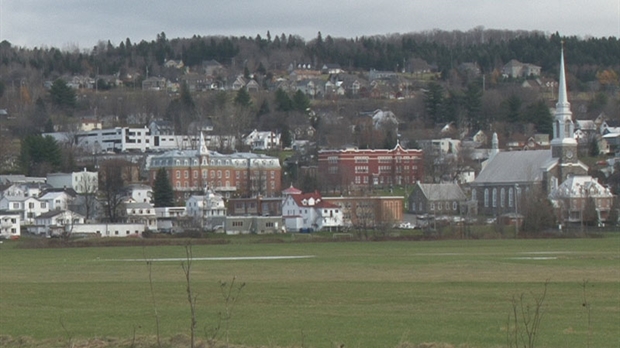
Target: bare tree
(111,183)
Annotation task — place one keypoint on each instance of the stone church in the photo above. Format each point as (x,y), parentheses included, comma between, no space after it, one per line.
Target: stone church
(506,175)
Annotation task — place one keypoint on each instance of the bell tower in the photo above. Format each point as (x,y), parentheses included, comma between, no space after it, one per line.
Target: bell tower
(563,144)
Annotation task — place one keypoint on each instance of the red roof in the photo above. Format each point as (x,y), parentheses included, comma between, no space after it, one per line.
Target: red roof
(318,201)
(292,191)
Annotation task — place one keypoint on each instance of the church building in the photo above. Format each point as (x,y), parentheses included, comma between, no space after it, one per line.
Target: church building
(506,176)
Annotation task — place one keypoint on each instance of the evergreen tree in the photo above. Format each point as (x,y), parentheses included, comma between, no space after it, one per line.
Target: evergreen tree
(264,108)
(62,95)
(243,98)
(433,102)
(285,136)
(473,107)
(40,155)
(283,101)
(512,109)
(163,194)
(538,114)
(301,101)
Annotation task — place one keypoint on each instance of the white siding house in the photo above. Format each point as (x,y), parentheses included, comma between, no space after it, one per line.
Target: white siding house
(9,225)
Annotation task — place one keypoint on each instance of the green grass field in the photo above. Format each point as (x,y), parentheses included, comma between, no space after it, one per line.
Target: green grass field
(361,294)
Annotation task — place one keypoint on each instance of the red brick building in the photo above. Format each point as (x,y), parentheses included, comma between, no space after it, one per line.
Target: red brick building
(237,174)
(354,169)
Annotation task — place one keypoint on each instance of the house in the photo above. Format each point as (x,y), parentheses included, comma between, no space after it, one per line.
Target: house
(19,178)
(12,190)
(259,206)
(252,86)
(139,193)
(263,140)
(56,222)
(497,189)
(438,199)
(170,219)
(27,207)
(58,200)
(581,199)
(175,64)
(331,68)
(310,212)
(81,182)
(154,84)
(10,222)
(212,67)
(141,213)
(254,224)
(419,66)
(161,127)
(369,211)
(88,124)
(208,210)
(239,83)
(516,69)
(440,147)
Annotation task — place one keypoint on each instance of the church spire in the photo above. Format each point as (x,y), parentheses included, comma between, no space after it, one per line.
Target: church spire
(562,103)
(563,127)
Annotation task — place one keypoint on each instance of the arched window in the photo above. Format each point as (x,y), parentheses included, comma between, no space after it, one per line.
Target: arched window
(486,197)
(494,198)
(474,195)
(511,197)
(502,197)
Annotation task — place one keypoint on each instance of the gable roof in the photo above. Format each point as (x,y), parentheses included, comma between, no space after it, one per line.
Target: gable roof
(516,166)
(302,200)
(442,192)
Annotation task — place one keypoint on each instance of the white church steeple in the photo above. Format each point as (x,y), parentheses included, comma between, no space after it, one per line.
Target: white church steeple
(563,142)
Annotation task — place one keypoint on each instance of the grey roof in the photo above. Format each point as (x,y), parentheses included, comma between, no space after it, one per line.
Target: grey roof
(138,205)
(442,192)
(516,166)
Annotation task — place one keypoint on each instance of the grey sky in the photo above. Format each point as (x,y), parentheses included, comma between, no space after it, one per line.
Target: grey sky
(82,23)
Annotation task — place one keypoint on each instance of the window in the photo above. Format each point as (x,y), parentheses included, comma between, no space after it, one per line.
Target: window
(502,197)
(31,205)
(195,174)
(186,174)
(473,195)
(511,197)
(228,174)
(494,198)
(432,206)
(454,206)
(178,174)
(486,198)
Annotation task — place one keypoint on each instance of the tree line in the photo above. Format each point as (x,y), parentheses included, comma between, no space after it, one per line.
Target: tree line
(490,49)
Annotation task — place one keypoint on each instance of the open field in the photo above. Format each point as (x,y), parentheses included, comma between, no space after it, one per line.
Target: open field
(361,294)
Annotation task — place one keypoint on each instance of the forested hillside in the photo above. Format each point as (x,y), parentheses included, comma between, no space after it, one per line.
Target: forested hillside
(35,93)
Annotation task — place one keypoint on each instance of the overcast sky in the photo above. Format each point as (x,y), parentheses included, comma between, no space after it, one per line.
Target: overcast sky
(82,23)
